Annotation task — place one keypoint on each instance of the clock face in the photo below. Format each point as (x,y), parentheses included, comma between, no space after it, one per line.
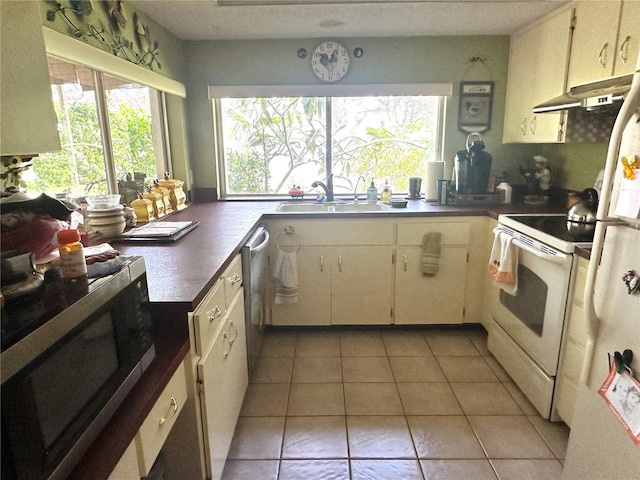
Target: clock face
(330,61)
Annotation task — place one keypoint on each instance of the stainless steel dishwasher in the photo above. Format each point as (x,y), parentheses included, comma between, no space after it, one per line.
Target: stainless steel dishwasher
(254,271)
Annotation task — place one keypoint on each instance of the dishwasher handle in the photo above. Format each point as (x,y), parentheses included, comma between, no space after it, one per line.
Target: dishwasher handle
(254,245)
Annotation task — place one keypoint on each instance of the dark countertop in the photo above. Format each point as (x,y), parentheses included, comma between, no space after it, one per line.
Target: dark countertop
(181,273)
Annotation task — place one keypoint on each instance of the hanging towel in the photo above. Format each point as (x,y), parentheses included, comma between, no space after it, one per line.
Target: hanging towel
(503,263)
(430,257)
(285,272)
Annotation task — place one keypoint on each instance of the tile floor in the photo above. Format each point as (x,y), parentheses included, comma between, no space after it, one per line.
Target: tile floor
(397,404)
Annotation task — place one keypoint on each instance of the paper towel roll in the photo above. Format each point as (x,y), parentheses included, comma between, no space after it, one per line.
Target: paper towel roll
(435,171)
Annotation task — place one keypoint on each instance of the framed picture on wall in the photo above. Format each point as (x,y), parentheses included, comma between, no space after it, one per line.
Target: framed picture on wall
(476,99)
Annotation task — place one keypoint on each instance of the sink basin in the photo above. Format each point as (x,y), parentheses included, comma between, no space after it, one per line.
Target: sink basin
(300,207)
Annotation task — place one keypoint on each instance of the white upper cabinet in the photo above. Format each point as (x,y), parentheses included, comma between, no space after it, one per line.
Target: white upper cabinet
(605,40)
(29,124)
(538,63)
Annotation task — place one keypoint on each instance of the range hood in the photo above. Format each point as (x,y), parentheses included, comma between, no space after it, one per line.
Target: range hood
(590,95)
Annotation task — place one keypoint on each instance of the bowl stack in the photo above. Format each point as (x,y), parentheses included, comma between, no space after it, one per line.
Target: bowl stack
(105,215)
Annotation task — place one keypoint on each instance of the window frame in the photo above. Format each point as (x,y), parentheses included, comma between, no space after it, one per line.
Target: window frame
(441,90)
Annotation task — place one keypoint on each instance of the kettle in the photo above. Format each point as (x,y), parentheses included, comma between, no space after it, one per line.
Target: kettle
(581,217)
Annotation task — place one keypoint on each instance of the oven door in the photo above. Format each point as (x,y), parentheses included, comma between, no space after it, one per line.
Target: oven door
(534,316)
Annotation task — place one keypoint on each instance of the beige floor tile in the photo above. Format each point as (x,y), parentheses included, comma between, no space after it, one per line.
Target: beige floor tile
(416,369)
(444,436)
(257,438)
(313,470)
(428,399)
(265,400)
(555,434)
(480,342)
(523,402)
(362,344)
(246,469)
(366,369)
(466,369)
(497,369)
(458,470)
(485,399)
(403,344)
(315,437)
(513,436)
(318,344)
(278,344)
(372,399)
(273,370)
(528,469)
(316,399)
(385,470)
(450,344)
(317,370)
(379,437)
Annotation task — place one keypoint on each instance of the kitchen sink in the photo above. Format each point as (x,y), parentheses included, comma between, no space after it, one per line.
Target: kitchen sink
(302,207)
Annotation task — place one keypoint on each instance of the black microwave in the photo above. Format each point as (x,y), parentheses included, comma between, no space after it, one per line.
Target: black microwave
(70,364)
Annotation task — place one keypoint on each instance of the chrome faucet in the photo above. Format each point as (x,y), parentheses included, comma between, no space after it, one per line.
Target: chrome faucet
(355,190)
(328,188)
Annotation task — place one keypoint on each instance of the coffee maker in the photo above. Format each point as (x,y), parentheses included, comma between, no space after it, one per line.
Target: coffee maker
(472,167)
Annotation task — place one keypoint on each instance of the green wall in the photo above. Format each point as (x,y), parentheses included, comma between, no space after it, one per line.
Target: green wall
(385,60)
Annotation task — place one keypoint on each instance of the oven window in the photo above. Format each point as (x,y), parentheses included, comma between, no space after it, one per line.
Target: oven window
(529,302)
(69,379)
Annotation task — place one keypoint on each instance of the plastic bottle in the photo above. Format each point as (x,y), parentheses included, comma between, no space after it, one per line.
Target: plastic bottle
(72,260)
(385,195)
(372,193)
(504,189)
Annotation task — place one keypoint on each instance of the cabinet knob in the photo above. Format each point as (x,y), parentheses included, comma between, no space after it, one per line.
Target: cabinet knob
(235,279)
(624,49)
(533,124)
(322,263)
(217,312)
(340,263)
(523,126)
(229,342)
(174,410)
(405,259)
(602,56)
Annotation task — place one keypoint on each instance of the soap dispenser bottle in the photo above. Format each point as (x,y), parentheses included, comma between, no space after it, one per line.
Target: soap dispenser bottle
(372,193)
(385,195)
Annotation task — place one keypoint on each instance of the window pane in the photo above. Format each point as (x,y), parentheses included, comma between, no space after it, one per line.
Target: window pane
(80,163)
(385,138)
(130,124)
(271,144)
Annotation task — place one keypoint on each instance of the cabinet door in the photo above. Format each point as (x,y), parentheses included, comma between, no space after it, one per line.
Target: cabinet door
(593,49)
(223,379)
(313,305)
(430,300)
(522,64)
(361,285)
(628,38)
(553,42)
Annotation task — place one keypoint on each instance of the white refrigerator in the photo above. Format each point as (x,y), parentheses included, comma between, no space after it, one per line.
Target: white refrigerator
(599,446)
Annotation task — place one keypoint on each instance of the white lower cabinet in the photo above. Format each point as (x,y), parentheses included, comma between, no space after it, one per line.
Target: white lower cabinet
(222,381)
(437,299)
(145,447)
(367,272)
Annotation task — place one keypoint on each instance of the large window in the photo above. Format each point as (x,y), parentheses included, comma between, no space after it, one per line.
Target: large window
(110,129)
(271,144)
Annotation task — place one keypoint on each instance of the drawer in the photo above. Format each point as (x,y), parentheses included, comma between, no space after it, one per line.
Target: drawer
(452,233)
(327,232)
(207,318)
(232,280)
(156,427)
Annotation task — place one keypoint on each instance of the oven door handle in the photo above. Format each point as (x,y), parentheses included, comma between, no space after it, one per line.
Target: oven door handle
(559,258)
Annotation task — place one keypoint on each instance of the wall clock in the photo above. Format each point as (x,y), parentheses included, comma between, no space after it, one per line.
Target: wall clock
(330,61)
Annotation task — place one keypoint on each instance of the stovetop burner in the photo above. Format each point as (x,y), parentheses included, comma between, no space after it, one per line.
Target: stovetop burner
(550,229)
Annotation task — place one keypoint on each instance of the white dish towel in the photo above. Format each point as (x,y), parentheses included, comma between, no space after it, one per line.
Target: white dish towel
(503,263)
(285,272)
